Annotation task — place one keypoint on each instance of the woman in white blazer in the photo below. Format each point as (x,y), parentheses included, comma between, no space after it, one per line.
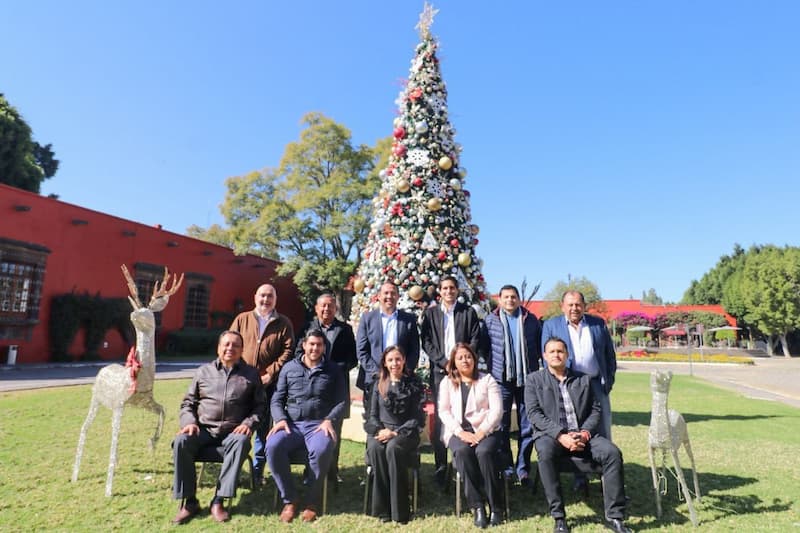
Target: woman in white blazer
(471,409)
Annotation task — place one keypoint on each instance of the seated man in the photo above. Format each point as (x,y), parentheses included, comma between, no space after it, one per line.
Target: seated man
(308,402)
(565,416)
(224,403)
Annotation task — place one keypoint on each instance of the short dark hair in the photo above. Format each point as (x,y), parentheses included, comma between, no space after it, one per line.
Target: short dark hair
(509,288)
(231,332)
(448,278)
(553,338)
(314,332)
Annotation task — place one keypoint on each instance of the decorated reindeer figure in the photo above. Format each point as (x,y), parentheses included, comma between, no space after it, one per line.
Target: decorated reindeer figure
(117,386)
(667,433)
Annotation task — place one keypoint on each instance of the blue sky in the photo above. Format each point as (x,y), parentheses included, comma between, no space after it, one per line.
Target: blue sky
(629,142)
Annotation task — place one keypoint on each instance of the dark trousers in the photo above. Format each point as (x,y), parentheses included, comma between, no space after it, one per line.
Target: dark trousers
(600,450)
(260,437)
(184,450)
(439,449)
(319,447)
(515,395)
(478,468)
(390,462)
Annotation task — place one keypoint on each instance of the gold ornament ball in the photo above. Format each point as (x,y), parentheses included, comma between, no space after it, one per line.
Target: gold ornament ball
(359,285)
(415,293)
(464,259)
(447,265)
(445,163)
(434,204)
(403,185)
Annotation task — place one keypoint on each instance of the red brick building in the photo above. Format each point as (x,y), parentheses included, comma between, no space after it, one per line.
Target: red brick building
(49,248)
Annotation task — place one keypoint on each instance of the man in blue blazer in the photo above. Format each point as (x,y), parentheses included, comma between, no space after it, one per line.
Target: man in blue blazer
(590,348)
(377,330)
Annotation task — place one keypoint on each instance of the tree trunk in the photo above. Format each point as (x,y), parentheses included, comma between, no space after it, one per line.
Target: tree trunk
(771,344)
(785,345)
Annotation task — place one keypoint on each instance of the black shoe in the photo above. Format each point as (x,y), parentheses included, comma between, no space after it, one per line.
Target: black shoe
(524,479)
(480,517)
(615,524)
(560,526)
(495,518)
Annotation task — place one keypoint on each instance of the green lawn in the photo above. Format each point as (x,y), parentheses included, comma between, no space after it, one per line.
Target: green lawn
(746,452)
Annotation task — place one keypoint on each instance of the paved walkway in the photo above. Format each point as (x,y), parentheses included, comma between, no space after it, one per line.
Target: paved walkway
(771,378)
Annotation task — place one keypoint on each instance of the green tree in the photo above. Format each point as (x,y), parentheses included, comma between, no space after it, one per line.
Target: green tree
(312,212)
(214,234)
(588,288)
(710,288)
(770,292)
(651,297)
(24,163)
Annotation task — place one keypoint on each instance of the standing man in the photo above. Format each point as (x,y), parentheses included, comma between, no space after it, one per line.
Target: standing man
(268,340)
(377,330)
(444,325)
(308,403)
(565,415)
(340,348)
(511,352)
(590,349)
(224,404)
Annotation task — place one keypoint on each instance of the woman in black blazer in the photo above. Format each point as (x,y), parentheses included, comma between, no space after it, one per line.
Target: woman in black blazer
(395,421)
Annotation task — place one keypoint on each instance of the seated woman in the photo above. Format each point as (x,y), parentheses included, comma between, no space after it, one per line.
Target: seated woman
(393,427)
(471,409)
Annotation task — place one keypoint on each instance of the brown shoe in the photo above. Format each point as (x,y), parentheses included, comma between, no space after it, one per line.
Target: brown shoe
(288,513)
(219,513)
(309,514)
(186,512)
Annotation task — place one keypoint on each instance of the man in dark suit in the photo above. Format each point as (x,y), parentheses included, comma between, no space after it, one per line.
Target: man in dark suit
(340,347)
(590,349)
(444,325)
(565,416)
(377,330)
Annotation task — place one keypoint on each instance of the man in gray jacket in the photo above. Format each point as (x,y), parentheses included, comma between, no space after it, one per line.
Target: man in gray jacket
(225,402)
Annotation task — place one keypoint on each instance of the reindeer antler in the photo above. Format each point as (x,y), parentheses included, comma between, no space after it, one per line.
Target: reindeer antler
(134,297)
(160,289)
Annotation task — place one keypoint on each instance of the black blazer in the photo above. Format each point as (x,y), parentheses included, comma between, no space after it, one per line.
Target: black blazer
(542,398)
(468,329)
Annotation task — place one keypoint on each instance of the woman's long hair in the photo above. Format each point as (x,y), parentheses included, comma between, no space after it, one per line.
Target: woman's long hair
(452,370)
(383,380)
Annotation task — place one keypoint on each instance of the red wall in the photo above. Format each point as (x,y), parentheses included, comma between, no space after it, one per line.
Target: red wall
(87,257)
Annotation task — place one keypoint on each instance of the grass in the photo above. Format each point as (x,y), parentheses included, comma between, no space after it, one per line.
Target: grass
(745,451)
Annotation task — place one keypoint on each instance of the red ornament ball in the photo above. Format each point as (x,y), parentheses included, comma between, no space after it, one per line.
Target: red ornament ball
(399,132)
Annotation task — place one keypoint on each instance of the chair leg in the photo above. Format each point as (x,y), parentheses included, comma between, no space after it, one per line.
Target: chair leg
(507,502)
(458,493)
(415,488)
(325,494)
(367,479)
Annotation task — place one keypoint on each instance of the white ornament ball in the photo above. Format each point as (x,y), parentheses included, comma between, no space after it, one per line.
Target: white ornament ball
(421,127)
(455,183)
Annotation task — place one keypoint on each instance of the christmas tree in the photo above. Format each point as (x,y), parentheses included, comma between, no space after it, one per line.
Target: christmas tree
(421,228)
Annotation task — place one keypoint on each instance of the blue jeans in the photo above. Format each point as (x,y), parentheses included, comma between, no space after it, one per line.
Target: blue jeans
(512,394)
